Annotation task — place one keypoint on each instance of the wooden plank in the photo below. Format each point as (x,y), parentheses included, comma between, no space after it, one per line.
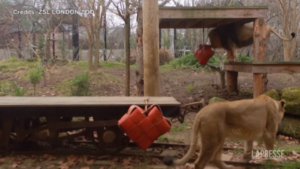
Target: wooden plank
(276,69)
(259,67)
(84,101)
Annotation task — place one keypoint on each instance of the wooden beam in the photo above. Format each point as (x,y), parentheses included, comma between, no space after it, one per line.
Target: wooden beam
(212,12)
(191,24)
(150,47)
(269,67)
(259,51)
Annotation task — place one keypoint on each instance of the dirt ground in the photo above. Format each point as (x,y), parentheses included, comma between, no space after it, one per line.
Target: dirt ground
(186,85)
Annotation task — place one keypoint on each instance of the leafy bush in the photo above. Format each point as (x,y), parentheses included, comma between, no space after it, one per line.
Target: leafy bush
(191,61)
(244,58)
(17,91)
(11,88)
(35,76)
(80,85)
(185,61)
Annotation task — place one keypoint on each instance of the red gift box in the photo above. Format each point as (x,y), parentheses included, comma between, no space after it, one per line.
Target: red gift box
(144,127)
(203,53)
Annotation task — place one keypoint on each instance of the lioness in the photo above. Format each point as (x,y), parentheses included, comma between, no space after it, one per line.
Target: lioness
(249,120)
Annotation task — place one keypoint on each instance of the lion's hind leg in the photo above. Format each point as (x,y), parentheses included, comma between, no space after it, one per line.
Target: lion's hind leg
(209,145)
(217,160)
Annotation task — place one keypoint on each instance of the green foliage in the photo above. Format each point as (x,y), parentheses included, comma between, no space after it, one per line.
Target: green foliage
(11,88)
(17,91)
(63,48)
(182,127)
(166,38)
(191,61)
(80,85)
(244,58)
(216,60)
(185,61)
(35,76)
(41,46)
(13,59)
(190,87)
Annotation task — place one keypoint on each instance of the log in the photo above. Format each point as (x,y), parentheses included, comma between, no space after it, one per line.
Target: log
(290,126)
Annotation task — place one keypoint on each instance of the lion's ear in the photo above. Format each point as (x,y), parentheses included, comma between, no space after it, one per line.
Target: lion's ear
(282,103)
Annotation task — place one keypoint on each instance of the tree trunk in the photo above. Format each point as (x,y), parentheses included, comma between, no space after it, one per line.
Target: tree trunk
(286,51)
(91,48)
(139,58)
(127,45)
(53,43)
(75,38)
(47,46)
(105,39)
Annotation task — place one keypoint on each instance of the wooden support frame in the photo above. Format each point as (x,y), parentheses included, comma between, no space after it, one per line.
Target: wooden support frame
(150,48)
(209,17)
(259,51)
(231,77)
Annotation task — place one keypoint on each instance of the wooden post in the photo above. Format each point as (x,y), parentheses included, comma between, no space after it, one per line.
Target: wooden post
(150,47)
(259,51)
(231,76)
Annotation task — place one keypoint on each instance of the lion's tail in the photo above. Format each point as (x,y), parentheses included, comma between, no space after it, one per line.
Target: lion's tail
(193,143)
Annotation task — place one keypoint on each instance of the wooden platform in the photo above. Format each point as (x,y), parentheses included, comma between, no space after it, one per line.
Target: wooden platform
(207,17)
(85,101)
(263,67)
(82,106)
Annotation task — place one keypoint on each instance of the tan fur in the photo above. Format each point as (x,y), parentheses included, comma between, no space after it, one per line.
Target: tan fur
(248,120)
(243,33)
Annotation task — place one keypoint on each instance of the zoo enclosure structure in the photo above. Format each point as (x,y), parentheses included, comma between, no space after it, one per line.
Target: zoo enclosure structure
(211,17)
